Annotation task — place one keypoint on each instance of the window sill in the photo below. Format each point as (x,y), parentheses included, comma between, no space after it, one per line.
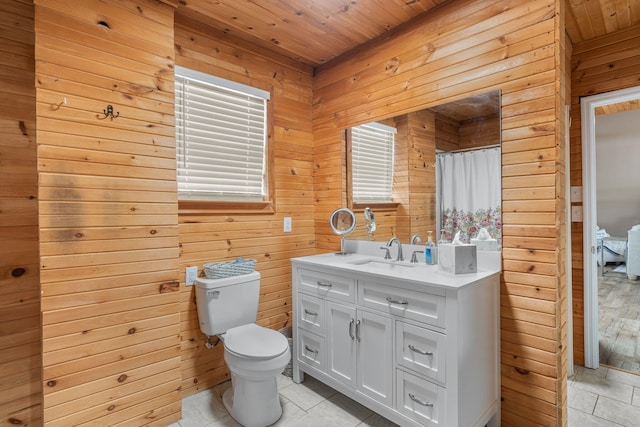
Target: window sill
(203,207)
(388,206)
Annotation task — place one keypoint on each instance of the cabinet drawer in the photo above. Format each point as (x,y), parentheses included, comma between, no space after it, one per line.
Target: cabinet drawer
(311,350)
(421,350)
(420,306)
(311,313)
(327,285)
(420,400)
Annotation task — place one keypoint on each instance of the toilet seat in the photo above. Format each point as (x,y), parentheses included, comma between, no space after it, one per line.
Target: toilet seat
(256,342)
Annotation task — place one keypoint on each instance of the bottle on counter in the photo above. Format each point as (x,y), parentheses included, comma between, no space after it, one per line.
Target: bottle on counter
(429,250)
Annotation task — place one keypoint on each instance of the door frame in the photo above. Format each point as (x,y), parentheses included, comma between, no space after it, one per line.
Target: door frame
(588,125)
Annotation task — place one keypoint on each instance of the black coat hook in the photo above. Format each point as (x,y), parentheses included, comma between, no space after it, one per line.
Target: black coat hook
(109,113)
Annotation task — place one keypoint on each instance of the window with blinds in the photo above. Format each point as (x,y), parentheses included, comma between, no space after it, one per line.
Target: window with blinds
(221,138)
(372,163)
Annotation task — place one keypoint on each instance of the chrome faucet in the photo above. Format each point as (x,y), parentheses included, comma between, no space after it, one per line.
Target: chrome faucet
(390,243)
(415,239)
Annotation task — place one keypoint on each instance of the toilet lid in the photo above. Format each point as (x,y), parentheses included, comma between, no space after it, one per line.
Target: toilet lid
(255,341)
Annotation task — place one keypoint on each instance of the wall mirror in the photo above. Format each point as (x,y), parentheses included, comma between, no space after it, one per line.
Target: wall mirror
(447,172)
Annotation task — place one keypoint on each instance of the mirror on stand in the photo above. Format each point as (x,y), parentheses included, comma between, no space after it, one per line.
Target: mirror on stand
(342,222)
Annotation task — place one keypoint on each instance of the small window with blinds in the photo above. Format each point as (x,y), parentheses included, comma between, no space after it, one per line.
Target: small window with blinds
(372,163)
(221,139)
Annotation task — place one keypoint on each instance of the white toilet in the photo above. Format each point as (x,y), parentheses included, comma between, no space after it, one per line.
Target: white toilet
(255,355)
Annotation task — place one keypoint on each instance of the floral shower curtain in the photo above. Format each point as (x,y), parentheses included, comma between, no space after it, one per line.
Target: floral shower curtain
(468,193)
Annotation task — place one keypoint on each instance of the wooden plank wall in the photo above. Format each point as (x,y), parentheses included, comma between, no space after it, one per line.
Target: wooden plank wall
(471,47)
(213,236)
(108,213)
(421,177)
(20,366)
(600,65)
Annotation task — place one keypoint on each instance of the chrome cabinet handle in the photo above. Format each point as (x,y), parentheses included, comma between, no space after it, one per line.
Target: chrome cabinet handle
(310,313)
(324,284)
(420,402)
(358,330)
(395,301)
(351,329)
(309,349)
(417,350)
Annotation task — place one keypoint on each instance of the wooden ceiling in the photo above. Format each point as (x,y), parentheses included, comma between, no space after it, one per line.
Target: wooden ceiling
(317,31)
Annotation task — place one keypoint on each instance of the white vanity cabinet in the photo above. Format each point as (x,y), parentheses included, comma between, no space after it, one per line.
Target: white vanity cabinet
(418,352)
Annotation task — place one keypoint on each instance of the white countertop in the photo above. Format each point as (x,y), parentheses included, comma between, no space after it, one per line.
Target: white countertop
(418,273)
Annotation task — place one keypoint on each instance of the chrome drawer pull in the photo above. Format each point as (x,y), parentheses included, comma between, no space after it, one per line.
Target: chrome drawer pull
(417,350)
(351,329)
(309,349)
(394,301)
(324,284)
(420,402)
(310,313)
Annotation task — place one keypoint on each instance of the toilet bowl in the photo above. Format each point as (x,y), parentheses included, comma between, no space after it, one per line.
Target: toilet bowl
(255,355)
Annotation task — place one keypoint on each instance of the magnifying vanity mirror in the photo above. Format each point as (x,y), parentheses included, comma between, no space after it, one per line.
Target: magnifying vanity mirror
(342,222)
(436,150)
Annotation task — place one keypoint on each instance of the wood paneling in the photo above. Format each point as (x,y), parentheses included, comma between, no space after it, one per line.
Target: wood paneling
(317,32)
(310,32)
(601,65)
(212,236)
(471,47)
(20,365)
(108,213)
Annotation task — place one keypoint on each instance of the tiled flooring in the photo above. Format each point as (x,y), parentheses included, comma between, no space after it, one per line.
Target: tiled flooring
(604,397)
(619,321)
(309,404)
(597,398)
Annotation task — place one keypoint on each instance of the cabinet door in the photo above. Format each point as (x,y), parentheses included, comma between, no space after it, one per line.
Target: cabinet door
(375,353)
(341,324)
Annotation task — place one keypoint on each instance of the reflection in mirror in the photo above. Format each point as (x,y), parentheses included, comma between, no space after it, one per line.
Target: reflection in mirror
(446,173)
(371,222)
(468,171)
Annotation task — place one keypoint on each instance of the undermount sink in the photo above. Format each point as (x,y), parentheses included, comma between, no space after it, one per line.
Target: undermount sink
(381,264)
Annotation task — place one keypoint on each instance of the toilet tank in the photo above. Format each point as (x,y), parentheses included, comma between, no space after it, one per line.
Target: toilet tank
(226,303)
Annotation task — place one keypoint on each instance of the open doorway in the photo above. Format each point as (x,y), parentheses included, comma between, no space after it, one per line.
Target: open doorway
(600,264)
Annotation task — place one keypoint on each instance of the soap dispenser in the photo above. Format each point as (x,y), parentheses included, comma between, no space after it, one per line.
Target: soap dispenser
(429,250)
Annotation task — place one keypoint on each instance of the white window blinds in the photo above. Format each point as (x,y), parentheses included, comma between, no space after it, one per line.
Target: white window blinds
(372,162)
(221,138)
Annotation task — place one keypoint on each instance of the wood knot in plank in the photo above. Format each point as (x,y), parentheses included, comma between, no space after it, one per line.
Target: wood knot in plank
(167,287)
(15,421)
(392,66)
(122,378)
(522,371)
(52,383)
(17,272)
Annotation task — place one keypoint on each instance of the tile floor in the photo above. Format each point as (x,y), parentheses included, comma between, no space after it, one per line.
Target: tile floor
(597,398)
(604,397)
(309,404)
(619,321)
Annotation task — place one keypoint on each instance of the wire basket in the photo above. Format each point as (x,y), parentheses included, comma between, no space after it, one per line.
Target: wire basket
(220,270)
